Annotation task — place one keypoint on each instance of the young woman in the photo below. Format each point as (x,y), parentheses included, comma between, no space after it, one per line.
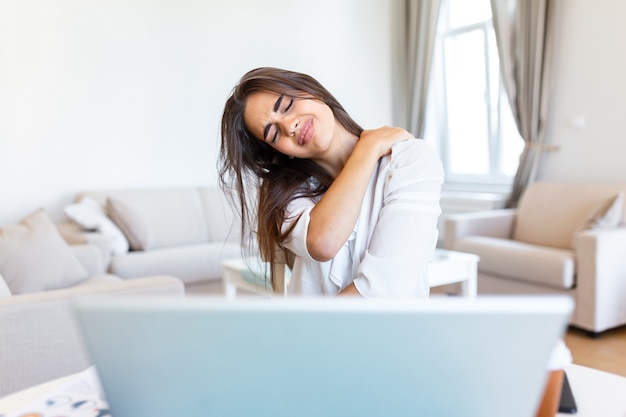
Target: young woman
(357,208)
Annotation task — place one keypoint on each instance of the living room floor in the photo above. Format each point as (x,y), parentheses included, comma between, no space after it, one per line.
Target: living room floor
(605,352)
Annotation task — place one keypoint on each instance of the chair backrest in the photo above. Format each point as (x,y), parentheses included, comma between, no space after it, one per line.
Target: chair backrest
(280,270)
(551,213)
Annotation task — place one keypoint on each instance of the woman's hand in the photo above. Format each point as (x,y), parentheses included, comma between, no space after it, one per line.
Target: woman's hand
(382,139)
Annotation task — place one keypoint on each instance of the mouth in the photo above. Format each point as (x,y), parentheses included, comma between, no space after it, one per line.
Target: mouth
(306,133)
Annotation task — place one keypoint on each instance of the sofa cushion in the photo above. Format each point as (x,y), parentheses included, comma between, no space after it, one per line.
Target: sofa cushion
(190,263)
(90,215)
(521,261)
(34,257)
(152,219)
(551,214)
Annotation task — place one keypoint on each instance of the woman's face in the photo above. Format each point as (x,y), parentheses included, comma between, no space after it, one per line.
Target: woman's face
(302,128)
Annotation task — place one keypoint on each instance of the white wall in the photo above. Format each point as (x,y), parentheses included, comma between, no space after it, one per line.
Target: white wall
(590,87)
(129,93)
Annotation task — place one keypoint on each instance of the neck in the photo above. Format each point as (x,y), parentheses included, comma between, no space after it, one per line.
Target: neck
(337,155)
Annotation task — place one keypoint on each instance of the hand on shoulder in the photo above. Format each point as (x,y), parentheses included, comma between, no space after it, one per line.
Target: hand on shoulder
(383,138)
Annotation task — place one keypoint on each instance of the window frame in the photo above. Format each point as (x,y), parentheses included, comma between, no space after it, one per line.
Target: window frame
(495,179)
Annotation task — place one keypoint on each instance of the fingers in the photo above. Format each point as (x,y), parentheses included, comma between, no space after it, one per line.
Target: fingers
(384,138)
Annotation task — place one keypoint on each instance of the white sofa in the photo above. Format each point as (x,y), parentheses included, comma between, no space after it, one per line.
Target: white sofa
(40,276)
(183,232)
(562,238)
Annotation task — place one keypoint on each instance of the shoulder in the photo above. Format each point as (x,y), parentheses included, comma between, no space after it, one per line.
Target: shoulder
(415,155)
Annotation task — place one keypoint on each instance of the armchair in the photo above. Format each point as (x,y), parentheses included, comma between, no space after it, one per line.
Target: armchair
(562,238)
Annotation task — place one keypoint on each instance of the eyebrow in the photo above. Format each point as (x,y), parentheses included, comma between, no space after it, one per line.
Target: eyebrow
(266,130)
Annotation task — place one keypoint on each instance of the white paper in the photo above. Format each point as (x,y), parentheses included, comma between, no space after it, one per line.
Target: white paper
(82,396)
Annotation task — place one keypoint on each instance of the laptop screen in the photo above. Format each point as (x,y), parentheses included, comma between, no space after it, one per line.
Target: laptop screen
(323,356)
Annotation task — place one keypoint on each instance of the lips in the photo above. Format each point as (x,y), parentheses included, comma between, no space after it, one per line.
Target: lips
(306,132)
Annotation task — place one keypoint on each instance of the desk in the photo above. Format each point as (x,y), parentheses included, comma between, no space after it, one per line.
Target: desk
(447,267)
(597,393)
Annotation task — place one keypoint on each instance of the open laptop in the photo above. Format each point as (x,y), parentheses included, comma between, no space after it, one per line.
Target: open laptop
(326,357)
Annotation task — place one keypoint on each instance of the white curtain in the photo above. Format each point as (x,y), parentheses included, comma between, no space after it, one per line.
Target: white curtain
(421,32)
(525,35)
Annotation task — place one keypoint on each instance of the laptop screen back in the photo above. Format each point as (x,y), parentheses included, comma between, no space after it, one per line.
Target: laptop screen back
(323,357)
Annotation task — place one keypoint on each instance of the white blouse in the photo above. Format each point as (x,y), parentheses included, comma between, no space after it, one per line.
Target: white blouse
(394,238)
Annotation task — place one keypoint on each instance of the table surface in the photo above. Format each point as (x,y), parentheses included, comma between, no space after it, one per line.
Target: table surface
(443,255)
(446,267)
(597,393)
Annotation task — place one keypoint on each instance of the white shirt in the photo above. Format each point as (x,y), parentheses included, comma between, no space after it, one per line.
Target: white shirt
(394,238)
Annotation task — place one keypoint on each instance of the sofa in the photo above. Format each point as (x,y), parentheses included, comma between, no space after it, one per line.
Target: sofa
(563,237)
(40,277)
(185,232)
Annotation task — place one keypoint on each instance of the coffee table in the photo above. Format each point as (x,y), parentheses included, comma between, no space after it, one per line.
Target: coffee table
(451,267)
(447,267)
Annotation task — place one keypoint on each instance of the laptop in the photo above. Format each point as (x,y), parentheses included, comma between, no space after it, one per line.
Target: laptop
(447,356)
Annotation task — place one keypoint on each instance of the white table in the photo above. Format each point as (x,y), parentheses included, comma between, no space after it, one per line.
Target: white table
(240,274)
(447,267)
(450,267)
(597,393)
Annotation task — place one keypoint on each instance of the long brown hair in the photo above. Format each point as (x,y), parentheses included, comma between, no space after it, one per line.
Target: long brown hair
(250,168)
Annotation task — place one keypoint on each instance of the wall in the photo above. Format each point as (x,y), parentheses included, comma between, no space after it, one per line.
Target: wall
(588,113)
(128,93)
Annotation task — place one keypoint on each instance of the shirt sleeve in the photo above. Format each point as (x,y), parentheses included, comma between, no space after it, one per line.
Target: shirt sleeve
(298,216)
(405,233)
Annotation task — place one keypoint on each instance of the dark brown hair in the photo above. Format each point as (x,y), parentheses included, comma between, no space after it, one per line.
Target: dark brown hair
(249,168)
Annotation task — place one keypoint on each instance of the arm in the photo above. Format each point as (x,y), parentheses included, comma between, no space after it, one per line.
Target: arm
(493,223)
(404,229)
(600,284)
(334,216)
(350,290)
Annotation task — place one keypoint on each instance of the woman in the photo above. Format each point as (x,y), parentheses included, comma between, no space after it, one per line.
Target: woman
(358,208)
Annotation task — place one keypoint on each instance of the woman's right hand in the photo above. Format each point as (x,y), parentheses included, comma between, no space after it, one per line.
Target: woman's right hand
(383,138)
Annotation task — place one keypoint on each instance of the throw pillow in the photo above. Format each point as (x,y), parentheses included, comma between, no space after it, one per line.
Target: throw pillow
(130,222)
(4,290)
(607,215)
(91,216)
(34,257)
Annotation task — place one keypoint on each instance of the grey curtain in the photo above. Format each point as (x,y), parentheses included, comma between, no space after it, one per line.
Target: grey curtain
(421,32)
(524,33)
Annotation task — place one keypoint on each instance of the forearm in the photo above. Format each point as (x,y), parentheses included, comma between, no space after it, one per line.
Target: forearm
(334,216)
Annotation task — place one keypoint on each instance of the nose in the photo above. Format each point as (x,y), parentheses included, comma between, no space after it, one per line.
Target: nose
(290,126)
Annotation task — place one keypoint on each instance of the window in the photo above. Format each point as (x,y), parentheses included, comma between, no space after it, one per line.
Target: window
(469,115)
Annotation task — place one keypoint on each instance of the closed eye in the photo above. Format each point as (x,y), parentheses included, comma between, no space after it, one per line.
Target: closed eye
(289,105)
(267,130)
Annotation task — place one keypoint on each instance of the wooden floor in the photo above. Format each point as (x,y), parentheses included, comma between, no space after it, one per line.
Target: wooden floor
(606,352)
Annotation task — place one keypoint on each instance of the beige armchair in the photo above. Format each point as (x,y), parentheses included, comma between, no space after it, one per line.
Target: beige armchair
(563,238)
